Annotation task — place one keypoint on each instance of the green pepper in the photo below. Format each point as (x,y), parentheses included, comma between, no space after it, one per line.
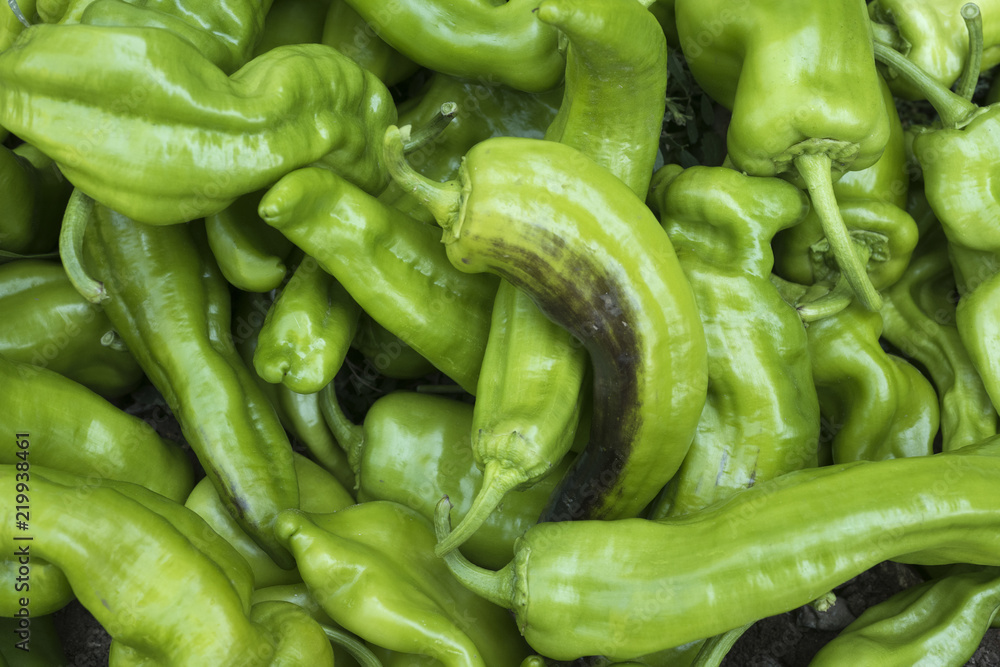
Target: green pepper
(48,324)
(319,491)
(932,35)
(876,405)
(41,646)
(250,254)
(919,320)
(393,266)
(761,418)
(223,32)
(871,203)
(616,83)
(203,145)
(10,24)
(373,570)
(35,194)
(292,22)
(957,167)
(76,430)
(503,43)
(118,551)
(595,260)
(790,113)
(631,587)
(345,30)
(414,448)
(943,620)
(172,308)
(307,332)
(484,110)
(527,408)
(299,413)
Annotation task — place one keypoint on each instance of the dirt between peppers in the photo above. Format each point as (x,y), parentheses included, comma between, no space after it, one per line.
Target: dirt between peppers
(786,640)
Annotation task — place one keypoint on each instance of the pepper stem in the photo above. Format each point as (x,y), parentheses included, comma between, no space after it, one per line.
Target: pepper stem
(498,480)
(74,226)
(112,339)
(715,649)
(441,199)
(955,110)
(495,586)
(433,129)
(14,7)
(973,65)
(815,169)
(349,435)
(361,653)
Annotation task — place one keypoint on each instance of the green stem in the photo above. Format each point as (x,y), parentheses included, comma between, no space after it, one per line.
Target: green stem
(815,170)
(441,199)
(352,645)
(497,587)
(715,649)
(74,226)
(349,435)
(433,129)
(18,13)
(888,35)
(113,340)
(836,299)
(955,110)
(498,480)
(973,65)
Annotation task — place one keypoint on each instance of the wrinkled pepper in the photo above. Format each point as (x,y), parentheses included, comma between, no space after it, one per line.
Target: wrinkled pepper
(627,588)
(171,306)
(595,260)
(204,147)
(801,81)
(761,418)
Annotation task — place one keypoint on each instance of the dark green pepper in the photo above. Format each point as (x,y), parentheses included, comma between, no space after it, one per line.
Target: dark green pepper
(34,194)
(346,31)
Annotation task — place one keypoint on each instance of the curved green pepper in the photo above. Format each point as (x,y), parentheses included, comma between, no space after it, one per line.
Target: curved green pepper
(919,319)
(373,570)
(308,330)
(761,418)
(596,261)
(393,266)
(940,622)
(414,448)
(805,94)
(631,587)
(250,254)
(205,146)
(172,308)
(503,43)
(48,324)
(75,430)
(386,353)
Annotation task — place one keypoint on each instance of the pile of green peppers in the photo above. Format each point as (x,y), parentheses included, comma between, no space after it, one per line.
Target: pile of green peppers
(649,401)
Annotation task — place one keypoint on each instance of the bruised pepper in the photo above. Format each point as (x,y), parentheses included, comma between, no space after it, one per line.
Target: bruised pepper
(530,390)
(590,253)
(801,81)
(761,418)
